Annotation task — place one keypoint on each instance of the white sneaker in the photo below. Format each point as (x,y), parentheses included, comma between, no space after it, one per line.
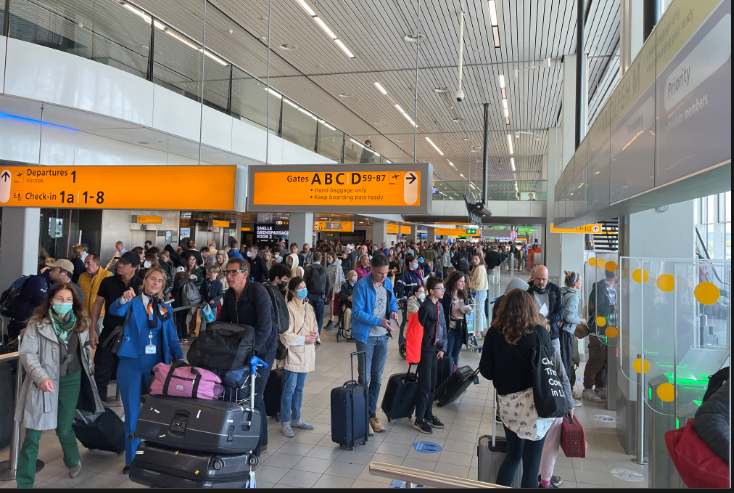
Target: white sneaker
(577,403)
(287,430)
(590,395)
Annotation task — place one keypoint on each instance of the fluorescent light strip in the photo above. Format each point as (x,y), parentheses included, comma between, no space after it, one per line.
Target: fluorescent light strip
(380,88)
(344,48)
(512,164)
(502,81)
(452,165)
(194,47)
(290,103)
(462,175)
(405,115)
(305,6)
(307,113)
(438,150)
(137,12)
(504,104)
(492,13)
(273,93)
(327,125)
(509,144)
(496,36)
(320,22)
(357,143)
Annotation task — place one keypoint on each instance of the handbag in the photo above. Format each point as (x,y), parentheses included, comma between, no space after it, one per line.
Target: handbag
(573,441)
(112,342)
(582,330)
(208,313)
(550,398)
(180,379)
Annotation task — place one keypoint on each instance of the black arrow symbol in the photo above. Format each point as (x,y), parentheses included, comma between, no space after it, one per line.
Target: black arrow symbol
(20,174)
(5,176)
(411,178)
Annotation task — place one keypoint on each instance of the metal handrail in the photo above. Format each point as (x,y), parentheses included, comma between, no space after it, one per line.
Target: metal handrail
(413,476)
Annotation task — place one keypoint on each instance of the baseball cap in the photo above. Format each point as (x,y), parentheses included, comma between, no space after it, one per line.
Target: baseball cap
(130,258)
(63,264)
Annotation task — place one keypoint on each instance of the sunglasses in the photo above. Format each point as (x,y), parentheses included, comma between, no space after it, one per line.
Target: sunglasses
(233,271)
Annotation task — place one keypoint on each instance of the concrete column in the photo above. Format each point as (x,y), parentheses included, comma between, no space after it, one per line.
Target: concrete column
(379,234)
(432,233)
(563,252)
(300,228)
(19,244)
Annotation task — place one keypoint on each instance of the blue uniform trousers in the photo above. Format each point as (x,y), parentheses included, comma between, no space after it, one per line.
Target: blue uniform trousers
(133,376)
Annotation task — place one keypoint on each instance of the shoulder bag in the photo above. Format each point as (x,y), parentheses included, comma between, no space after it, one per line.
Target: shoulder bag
(112,342)
(550,398)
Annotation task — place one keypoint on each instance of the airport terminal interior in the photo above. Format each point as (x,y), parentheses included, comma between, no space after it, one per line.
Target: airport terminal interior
(187,185)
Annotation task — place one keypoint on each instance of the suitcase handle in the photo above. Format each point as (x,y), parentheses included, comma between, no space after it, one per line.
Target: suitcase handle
(351,361)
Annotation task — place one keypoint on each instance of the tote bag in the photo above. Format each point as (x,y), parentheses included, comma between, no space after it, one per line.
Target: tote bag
(550,398)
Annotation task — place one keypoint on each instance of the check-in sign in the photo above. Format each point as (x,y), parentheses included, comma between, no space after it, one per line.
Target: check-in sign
(340,188)
(208,188)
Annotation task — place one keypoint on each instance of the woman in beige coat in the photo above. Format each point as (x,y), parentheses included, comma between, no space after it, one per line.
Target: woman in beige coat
(54,353)
(301,358)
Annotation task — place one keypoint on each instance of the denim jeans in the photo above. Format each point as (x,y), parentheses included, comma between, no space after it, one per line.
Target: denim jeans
(527,451)
(455,340)
(371,376)
(292,397)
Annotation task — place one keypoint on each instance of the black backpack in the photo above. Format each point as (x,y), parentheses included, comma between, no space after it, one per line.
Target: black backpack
(9,297)
(222,347)
(280,309)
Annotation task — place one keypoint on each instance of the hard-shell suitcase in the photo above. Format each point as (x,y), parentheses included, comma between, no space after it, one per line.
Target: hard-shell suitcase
(164,467)
(273,392)
(197,424)
(455,385)
(349,411)
(400,394)
(491,451)
(443,371)
(207,426)
(103,431)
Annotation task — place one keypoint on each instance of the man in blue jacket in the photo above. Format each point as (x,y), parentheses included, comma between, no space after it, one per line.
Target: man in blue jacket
(373,305)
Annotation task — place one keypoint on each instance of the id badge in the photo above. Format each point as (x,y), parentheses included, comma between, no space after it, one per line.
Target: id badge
(150,349)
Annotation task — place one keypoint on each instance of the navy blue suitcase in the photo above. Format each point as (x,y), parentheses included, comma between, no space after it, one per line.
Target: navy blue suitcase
(349,411)
(400,395)
(455,385)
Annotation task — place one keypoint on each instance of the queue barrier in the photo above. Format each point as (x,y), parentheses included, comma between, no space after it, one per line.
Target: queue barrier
(413,477)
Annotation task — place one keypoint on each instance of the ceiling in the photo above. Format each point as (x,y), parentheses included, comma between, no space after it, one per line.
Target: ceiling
(534,36)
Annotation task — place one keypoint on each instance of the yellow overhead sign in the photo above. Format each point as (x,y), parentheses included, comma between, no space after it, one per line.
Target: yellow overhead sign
(149,219)
(246,229)
(586,229)
(474,233)
(217,223)
(334,226)
(366,188)
(118,187)
(406,230)
(393,228)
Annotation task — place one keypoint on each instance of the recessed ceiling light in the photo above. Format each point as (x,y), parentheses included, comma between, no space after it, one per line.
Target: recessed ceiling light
(457,119)
(230,30)
(287,47)
(344,95)
(440,90)
(412,37)
(465,139)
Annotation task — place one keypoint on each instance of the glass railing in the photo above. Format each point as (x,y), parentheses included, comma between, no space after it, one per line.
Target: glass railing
(498,190)
(124,36)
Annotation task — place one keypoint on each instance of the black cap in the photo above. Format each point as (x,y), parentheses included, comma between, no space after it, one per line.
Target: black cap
(130,258)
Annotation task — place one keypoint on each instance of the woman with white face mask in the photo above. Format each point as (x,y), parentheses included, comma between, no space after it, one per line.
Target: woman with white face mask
(300,360)
(55,356)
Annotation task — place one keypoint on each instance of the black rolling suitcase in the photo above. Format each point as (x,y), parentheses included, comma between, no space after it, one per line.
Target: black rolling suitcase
(162,467)
(455,385)
(273,392)
(103,431)
(400,394)
(349,411)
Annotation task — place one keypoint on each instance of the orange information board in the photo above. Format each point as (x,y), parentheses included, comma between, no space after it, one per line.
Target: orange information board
(367,188)
(218,223)
(119,187)
(594,228)
(393,228)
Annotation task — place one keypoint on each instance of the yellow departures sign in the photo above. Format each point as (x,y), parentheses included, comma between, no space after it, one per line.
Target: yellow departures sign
(586,229)
(118,187)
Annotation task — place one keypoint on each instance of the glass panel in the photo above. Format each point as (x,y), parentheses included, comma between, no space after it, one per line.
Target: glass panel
(216,83)
(249,100)
(177,63)
(299,125)
(330,142)
(352,151)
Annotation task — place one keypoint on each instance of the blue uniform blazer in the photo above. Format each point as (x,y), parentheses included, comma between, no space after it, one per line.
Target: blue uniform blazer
(136,331)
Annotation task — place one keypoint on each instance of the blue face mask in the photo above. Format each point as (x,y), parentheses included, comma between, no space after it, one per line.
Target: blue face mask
(62,308)
(302,293)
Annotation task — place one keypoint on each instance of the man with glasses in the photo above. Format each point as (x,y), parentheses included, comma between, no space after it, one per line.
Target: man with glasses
(248,303)
(373,306)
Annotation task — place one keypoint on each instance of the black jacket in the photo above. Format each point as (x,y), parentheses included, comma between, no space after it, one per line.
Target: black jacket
(492,259)
(258,269)
(446,302)
(555,308)
(599,304)
(255,309)
(428,315)
(317,282)
(345,293)
(712,422)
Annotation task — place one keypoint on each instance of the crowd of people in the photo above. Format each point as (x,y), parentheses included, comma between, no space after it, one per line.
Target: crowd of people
(159,295)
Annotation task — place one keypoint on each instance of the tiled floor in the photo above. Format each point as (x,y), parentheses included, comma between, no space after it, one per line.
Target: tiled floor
(311,459)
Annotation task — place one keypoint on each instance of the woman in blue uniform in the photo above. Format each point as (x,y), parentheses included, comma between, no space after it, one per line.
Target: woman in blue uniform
(149,337)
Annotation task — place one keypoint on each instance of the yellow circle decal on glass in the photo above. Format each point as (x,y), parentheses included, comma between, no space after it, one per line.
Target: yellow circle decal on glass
(611,266)
(666,282)
(641,365)
(592,261)
(666,392)
(707,293)
(611,332)
(601,321)
(640,276)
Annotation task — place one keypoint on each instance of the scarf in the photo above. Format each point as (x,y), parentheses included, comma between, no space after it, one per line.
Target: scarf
(62,328)
(156,311)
